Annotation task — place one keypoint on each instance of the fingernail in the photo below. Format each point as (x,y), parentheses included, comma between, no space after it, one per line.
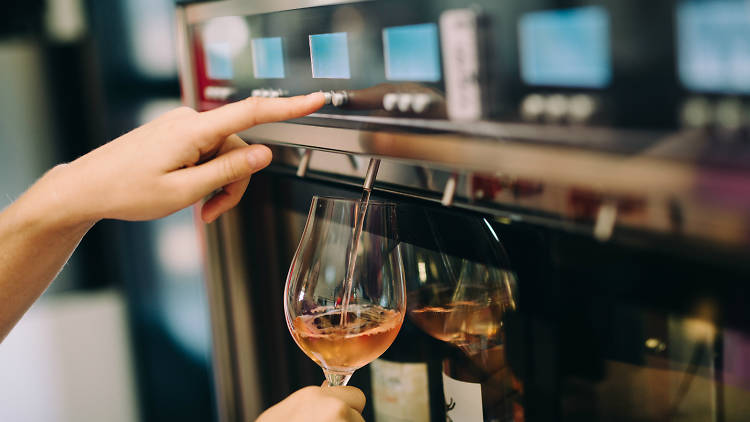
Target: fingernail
(252,160)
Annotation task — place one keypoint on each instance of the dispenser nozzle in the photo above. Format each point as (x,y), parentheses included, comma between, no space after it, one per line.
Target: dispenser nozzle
(372,172)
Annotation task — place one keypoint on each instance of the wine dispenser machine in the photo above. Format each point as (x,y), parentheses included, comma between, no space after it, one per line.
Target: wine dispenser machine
(572,185)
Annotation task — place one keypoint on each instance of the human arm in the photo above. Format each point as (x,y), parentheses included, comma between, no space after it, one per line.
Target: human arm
(153,171)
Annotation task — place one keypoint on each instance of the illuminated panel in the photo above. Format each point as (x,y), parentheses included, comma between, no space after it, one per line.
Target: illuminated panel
(566,48)
(268,58)
(412,53)
(329,55)
(713,43)
(219,61)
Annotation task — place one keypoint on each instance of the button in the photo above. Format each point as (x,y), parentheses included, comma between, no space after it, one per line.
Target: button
(532,107)
(421,102)
(339,98)
(389,101)
(582,107)
(556,107)
(404,102)
(327,95)
(729,113)
(268,93)
(696,113)
(218,93)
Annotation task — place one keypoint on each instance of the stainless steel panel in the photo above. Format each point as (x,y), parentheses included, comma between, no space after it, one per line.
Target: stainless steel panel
(201,12)
(221,332)
(650,194)
(617,173)
(238,285)
(185,59)
(235,379)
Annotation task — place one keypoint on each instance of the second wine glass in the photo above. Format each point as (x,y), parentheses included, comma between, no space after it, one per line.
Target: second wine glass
(317,291)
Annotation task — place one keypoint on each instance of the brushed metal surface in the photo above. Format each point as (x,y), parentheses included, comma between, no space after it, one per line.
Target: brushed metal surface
(618,173)
(237,391)
(188,84)
(203,11)
(238,297)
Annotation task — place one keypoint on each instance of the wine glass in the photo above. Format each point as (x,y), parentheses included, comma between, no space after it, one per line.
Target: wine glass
(468,311)
(330,254)
(462,291)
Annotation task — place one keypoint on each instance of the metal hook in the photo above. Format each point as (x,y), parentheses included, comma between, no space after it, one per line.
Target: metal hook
(353,161)
(304,163)
(450,190)
(605,220)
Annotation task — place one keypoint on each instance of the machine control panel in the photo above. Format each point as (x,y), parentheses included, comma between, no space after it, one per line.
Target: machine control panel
(422,65)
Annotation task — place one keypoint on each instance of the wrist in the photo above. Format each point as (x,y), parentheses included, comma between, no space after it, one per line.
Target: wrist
(55,201)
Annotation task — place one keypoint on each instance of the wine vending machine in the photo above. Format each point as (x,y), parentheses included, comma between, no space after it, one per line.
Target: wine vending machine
(571,182)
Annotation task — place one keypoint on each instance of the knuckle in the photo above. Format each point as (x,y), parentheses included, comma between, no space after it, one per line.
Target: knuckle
(179,192)
(337,408)
(308,392)
(232,169)
(342,412)
(252,104)
(198,124)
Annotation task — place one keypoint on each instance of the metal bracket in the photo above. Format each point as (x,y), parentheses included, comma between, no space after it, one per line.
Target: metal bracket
(450,190)
(606,219)
(353,161)
(304,163)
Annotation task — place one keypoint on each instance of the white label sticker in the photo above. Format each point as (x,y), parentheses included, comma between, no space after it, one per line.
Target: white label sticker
(458,35)
(463,400)
(400,391)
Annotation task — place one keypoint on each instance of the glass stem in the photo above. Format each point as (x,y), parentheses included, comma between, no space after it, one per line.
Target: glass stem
(337,379)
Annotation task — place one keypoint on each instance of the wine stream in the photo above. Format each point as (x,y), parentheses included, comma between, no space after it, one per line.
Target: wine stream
(359,220)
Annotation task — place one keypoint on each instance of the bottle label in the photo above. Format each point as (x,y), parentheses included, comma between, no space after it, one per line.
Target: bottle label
(463,400)
(400,391)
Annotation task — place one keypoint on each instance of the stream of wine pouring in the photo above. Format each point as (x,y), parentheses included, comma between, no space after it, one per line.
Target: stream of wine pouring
(359,220)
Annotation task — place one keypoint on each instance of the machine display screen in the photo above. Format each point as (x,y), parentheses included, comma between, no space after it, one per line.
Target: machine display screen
(567,48)
(329,54)
(219,61)
(268,58)
(713,43)
(412,53)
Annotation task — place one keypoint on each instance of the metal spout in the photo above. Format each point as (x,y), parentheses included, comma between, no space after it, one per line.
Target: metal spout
(372,172)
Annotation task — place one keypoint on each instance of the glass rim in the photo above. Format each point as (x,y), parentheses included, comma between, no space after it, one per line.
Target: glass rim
(353,200)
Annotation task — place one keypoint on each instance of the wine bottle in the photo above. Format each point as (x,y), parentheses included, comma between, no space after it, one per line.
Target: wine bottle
(478,382)
(481,388)
(406,379)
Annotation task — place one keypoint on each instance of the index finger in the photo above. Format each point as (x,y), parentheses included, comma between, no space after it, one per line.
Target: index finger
(251,111)
(349,395)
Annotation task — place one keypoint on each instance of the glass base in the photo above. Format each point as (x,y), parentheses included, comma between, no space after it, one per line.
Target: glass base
(337,379)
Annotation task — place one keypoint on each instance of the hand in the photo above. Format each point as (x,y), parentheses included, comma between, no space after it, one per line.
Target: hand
(318,404)
(173,162)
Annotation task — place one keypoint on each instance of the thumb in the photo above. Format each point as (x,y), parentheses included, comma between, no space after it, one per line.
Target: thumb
(234,165)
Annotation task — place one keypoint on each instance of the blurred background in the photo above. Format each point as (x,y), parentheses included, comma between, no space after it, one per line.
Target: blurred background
(123,333)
